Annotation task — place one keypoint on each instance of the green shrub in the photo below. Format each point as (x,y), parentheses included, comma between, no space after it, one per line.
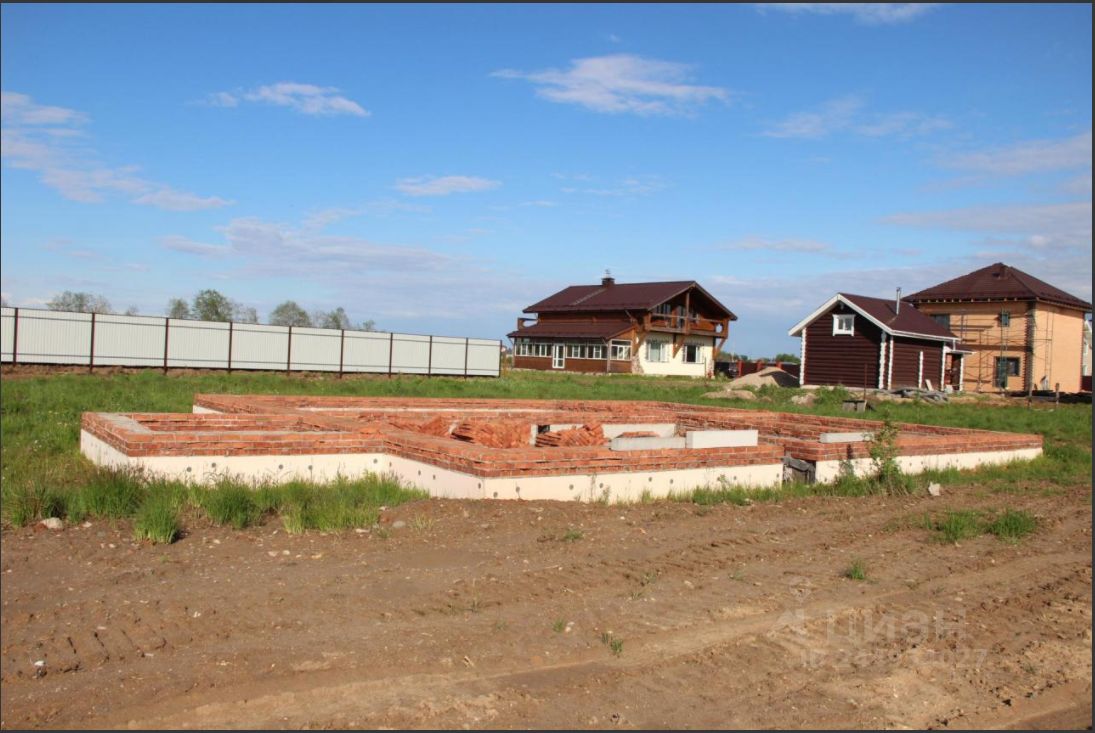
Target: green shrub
(959,525)
(856,571)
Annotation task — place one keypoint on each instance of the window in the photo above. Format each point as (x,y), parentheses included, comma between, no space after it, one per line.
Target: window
(663,310)
(693,354)
(657,351)
(574,351)
(844,324)
(596,351)
(621,350)
(1006,366)
(943,319)
(1005,319)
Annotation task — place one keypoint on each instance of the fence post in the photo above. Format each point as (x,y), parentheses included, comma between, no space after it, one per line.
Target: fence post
(429,359)
(91,354)
(166,331)
(391,345)
(467,345)
(289,351)
(15,339)
(341,349)
(231,328)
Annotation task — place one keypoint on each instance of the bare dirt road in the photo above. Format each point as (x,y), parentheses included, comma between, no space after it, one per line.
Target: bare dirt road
(530,614)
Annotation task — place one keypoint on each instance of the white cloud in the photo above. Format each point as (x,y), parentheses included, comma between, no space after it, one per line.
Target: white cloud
(1032,156)
(866,13)
(308,99)
(64,162)
(1057,225)
(836,114)
(640,185)
(764,244)
(845,114)
(443,185)
(182,244)
(621,83)
(172,200)
(20,109)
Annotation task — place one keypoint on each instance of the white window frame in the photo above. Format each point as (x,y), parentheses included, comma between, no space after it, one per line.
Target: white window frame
(620,350)
(844,324)
(558,355)
(663,355)
(596,351)
(698,354)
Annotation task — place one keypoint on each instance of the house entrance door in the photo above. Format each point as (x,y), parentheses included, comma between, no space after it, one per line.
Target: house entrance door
(558,356)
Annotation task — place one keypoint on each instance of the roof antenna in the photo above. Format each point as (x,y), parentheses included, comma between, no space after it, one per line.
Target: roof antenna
(897,303)
(607,279)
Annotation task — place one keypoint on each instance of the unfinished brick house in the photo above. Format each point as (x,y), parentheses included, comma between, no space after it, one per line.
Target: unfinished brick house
(1024,333)
(639,328)
(859,341)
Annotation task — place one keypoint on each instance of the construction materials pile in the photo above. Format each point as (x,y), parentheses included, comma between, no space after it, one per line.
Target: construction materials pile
(769,375)
(586,435)
(494,434)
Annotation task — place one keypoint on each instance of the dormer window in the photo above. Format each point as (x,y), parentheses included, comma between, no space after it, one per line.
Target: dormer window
(844,324)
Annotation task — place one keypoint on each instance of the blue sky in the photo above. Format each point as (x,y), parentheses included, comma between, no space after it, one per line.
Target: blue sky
(439,168)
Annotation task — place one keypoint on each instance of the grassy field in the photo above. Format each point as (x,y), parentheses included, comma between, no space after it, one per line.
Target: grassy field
(43,473)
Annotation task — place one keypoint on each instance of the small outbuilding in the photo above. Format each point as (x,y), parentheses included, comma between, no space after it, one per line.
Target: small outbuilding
(859,341)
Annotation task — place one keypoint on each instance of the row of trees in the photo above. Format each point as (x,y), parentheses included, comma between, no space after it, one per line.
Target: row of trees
(212,305)
(783,358)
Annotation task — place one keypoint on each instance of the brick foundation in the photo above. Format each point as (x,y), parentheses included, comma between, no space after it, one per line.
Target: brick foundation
(496,439)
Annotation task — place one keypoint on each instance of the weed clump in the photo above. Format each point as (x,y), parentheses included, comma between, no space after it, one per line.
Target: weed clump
(157,520)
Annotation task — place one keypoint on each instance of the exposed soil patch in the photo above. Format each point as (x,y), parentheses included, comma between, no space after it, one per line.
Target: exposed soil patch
(545,614)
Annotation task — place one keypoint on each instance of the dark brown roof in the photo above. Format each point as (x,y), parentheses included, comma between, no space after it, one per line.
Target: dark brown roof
(619,297)
(907,320)
(581,329)
(998,282)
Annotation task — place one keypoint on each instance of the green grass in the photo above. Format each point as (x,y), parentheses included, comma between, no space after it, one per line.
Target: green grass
(856,571)
(954,526)
(42,472)
(572,535)
(559,626)
(157,519)
(616,646)
(229,503)
(1012,525)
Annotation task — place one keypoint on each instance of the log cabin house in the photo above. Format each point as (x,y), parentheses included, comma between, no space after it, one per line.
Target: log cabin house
(875,343)
(669,328)
(1023,333)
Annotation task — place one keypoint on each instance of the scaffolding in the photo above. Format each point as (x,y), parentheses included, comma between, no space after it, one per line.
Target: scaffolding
(989,340)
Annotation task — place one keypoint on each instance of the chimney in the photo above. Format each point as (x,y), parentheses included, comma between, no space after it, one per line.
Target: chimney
(897,302)
(608,281)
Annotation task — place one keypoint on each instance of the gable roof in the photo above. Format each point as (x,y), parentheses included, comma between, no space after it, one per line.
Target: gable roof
(907,321)
(619,297)
(998,282)
(583,329)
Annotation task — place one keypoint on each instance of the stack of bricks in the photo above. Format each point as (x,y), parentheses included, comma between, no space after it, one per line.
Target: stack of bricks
(494,434)
(588,435)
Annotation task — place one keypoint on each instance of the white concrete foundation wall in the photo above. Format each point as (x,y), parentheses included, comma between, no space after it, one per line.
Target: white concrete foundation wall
(199,410)
(439,482)
(828,471)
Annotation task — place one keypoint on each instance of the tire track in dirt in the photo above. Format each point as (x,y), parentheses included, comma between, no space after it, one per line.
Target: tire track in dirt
(370,701)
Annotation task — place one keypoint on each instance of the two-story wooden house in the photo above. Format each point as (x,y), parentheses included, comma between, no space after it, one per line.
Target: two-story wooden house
(1024,334)
(639,328)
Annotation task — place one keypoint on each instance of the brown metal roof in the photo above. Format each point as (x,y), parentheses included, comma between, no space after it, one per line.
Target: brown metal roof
(580,329)
(907,320)
(619,297)
(998,282)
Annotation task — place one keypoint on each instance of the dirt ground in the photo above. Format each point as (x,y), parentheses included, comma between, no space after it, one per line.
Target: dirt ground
(544,614)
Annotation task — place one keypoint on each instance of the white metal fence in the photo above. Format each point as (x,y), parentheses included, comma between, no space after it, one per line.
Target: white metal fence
(34,336)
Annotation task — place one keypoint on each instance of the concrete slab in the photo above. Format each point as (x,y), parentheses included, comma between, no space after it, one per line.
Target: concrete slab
(720,438)
(645,443)
(844,437)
